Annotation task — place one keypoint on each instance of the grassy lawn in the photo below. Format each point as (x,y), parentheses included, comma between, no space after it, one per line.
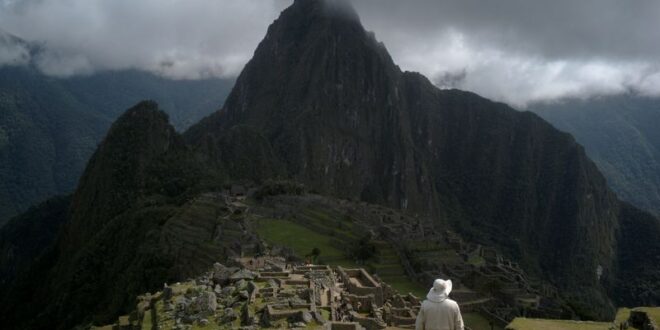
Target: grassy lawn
(404,285)
(477,322)
(301,240)
(340,226)
(622,315)
(540,324)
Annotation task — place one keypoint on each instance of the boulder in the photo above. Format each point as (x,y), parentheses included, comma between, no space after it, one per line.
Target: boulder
(221,274)
(181,303)
(205,304)
(228,291)
(242,274)
(306,317)
(168,306)
(202,281)
(229,316)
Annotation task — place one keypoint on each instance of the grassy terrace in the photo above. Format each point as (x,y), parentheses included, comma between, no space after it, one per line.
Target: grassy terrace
(541,324)
(477,322)
(303,239)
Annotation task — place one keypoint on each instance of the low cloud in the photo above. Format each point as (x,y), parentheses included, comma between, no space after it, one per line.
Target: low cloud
(517,51)
(175,38)
(12,52)
(521,51)
(455,61)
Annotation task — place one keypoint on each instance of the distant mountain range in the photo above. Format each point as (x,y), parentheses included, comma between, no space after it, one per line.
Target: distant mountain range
(323,104)
(50,127)
(622,135)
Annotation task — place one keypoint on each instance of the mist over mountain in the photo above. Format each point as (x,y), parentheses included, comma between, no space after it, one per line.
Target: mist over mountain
(49,127)
(543,50)
(620,133)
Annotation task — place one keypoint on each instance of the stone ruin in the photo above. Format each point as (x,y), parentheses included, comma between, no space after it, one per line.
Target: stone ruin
(517,294)
(268,292)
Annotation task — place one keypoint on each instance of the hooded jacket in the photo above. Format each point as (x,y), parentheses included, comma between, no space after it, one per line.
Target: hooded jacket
(439,314)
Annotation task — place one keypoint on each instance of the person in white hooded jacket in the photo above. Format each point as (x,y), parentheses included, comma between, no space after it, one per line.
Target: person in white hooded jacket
(438,312)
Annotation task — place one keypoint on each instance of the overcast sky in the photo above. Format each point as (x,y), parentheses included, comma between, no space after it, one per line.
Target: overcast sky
(515,51)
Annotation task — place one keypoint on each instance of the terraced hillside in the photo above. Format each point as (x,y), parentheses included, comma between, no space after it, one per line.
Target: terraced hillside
(335,234)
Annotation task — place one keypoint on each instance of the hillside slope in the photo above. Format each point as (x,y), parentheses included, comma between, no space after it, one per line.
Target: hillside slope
(46,138)
(130,228)
(620,133)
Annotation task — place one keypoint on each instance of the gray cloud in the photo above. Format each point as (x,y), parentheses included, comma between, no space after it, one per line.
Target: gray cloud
(176,38)
(518,51)
(12,51)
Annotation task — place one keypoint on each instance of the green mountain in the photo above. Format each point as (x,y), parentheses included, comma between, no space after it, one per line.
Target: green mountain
(323,104)
(46,138)
(620,133)
(134,189)
(50,127)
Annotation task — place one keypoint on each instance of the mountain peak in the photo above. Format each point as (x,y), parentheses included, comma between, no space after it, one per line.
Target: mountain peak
(336,9)
(315,53)
(118,172)
(344,120)
(315,18)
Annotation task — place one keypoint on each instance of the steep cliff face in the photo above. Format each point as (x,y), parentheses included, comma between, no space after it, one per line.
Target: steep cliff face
(343,119)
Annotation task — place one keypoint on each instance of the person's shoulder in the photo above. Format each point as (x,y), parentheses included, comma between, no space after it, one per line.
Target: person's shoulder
(427,303)
(451,302)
